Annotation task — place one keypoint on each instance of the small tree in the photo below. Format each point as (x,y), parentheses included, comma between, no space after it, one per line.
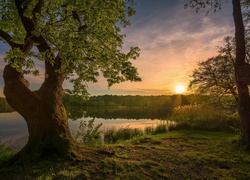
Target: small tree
(76,40)
(216,75)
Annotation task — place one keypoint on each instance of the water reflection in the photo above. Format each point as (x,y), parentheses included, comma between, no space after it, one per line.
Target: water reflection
(13,129)
(118,113)
(116,123)
(131,113)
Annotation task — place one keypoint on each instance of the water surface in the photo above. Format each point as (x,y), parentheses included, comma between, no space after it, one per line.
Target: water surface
(14,133)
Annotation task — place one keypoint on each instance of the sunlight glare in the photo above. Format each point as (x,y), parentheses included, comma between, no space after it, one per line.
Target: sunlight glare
(179,89)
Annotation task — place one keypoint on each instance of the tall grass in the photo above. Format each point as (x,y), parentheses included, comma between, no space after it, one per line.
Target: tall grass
(114,135)
(194,117)
(127,133)
(203,117)
(90,134)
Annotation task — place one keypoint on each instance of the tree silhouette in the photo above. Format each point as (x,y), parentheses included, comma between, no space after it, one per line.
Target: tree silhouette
(216,75)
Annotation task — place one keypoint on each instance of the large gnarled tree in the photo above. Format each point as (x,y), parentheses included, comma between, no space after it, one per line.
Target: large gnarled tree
(241,67)
(75,39)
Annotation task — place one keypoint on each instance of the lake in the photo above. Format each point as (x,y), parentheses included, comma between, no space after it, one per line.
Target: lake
(14,133)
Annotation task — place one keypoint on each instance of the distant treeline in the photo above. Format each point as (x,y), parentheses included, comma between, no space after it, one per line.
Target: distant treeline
(129,107)
(4,106)
(114,101)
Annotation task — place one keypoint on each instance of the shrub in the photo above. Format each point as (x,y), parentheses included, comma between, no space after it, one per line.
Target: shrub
(88,133)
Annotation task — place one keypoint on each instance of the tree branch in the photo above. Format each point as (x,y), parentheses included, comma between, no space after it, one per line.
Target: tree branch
(29,25)
(8,38)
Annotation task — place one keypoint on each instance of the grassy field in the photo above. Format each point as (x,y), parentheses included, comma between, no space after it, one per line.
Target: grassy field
(172,155)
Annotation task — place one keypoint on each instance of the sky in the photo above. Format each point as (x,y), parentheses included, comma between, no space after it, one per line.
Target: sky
(172,40)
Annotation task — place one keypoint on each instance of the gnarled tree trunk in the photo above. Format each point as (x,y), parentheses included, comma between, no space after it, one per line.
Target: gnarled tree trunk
(45,115)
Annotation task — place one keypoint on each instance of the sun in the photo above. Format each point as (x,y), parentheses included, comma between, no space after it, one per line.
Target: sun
(179,89)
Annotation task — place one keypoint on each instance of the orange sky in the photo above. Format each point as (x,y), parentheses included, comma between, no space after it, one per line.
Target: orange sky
(172,40)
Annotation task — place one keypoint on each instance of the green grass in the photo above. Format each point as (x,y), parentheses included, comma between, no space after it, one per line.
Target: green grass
(174,155)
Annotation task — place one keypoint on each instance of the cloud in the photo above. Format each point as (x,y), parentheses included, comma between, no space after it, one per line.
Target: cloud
(172,41)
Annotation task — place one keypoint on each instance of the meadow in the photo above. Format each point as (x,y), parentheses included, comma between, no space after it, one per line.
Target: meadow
(185,154)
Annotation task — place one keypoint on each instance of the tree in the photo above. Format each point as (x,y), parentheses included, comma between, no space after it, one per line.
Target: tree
(216,75)
(240,59)
(76,40)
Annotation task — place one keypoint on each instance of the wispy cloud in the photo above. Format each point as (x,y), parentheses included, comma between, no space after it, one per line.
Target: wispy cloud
(172,41)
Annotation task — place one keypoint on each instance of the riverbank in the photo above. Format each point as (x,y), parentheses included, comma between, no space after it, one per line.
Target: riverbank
(173,155)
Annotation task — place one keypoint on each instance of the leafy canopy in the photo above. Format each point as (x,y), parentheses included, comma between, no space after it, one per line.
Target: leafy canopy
(83,38)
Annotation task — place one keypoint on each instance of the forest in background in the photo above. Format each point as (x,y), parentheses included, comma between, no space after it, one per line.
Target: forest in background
(126,107)
(138,104)
(143,107)
(115,101)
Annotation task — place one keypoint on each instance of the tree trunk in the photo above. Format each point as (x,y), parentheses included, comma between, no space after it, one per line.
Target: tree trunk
(243,92)
(45,115)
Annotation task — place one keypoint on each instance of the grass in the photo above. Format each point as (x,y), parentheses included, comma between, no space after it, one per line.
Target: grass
(90,134)
(203,117)
(174,155)
(127,133)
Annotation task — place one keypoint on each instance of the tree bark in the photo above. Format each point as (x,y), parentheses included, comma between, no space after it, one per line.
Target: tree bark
(243,92)
(45,115)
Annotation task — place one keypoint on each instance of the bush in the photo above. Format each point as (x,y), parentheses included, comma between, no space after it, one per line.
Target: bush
(88,133)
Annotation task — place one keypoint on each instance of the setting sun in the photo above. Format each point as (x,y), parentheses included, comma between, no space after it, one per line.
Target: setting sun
(179,89)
